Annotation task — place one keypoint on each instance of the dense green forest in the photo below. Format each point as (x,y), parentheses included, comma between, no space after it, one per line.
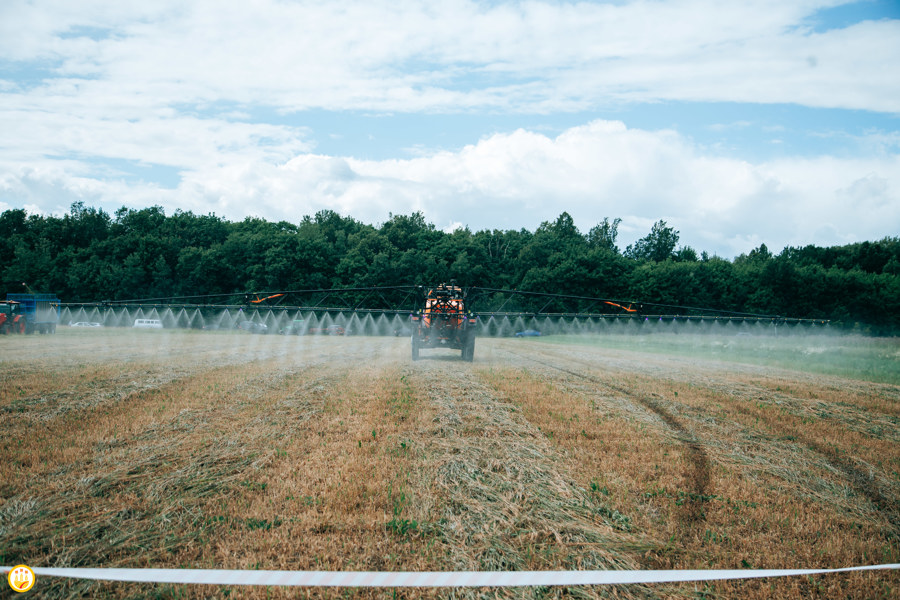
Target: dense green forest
(90,255)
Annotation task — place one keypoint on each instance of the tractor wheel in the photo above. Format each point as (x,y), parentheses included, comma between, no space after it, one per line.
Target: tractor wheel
(415,347)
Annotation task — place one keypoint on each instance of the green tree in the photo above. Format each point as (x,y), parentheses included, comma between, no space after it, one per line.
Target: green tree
(603,235)
(409,232)
(86,255)
(659,245)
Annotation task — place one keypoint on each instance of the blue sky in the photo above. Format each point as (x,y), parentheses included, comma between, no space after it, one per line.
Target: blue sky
(736,123)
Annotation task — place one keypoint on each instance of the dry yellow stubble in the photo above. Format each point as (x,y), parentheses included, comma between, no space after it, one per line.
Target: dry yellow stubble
(188,449)
(727,471)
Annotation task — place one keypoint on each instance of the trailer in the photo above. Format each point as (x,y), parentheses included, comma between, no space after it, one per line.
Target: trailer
(40,312)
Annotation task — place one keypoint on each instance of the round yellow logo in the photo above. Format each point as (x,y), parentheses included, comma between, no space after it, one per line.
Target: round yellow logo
(21,578)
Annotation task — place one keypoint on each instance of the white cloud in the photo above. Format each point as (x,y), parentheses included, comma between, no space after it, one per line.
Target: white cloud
(182,85)
(606,170)
(183,141)
(515,180)
(408,56)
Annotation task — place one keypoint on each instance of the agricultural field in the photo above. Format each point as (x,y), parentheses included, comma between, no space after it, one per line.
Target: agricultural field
(224,450)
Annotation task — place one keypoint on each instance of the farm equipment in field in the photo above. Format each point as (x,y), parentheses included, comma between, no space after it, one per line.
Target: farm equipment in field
(444,322)
(35,313)
(11,318)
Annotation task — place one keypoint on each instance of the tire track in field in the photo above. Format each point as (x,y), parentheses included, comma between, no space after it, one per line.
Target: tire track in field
(698,476)
(861,482)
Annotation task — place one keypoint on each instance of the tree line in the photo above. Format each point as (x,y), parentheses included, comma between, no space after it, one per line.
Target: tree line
(89,255)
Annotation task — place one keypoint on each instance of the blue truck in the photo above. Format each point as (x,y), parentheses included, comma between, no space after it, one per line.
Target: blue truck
(40,312)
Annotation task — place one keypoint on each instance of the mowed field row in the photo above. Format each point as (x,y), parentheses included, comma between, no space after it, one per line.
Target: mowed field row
(227,451)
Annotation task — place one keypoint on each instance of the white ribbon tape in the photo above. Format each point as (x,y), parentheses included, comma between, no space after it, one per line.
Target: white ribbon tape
(427,578)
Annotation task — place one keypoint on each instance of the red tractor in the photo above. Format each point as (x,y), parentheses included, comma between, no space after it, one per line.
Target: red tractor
(443,322)
(32,313)
(12,319)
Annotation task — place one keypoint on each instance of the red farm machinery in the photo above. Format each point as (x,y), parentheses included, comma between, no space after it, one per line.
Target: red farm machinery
(29,313)
(443,321)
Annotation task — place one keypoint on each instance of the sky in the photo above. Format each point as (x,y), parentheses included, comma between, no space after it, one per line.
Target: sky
(737,123)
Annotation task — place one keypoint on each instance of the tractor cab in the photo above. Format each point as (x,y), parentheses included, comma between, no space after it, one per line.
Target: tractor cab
(444,302)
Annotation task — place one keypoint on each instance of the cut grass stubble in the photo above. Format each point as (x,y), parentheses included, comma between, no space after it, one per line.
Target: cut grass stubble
(260,465)
(340,454)
(774,498)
